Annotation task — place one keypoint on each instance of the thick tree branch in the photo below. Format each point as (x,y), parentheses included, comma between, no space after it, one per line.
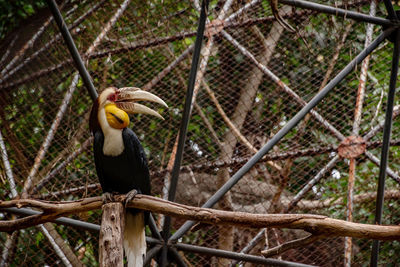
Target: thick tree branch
(314,224)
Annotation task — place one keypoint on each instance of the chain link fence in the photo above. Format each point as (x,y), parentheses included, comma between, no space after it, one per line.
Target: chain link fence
(253,77)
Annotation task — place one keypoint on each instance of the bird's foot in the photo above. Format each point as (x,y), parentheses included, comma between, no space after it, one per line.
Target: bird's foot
(107,197)
(130,195)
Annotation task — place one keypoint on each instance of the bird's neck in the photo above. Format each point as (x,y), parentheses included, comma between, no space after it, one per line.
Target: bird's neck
(113,141)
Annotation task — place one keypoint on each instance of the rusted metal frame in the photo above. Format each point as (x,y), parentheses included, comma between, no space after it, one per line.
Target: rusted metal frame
(386,144)
(348,244)
(339,12)
(76,23)
(285,129)
(236,256)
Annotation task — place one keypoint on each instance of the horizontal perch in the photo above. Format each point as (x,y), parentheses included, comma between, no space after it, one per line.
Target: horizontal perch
(314,224)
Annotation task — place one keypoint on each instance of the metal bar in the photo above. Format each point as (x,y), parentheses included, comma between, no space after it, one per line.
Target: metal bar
(236,256)
(178,258)
(386,144)
(61,220)
(260,236)
(389,171)
(283,131)
(185,120)
(153,227)
(338,12)
(72,48)
(188,101)
(70,222)
(311,183)
(151,254)
(390,9)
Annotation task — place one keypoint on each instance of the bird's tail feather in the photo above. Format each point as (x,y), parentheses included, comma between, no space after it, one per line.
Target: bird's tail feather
(135,239)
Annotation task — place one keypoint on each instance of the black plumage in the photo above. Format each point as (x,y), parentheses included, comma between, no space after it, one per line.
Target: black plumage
(125,172)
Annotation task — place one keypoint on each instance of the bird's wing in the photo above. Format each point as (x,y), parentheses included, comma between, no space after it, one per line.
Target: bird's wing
(98,151)
(137,157)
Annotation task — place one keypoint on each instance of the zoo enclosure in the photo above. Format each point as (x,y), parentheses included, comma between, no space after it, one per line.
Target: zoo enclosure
(252,79)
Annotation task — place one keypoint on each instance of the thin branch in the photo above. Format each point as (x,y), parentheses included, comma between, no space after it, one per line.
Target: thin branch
(377,162)
(67,98)
(168,69)
(53,243)
(61,166)
(7,52)
(377,128)
(315,224)
(291,245)
(27,45)
(311,183)
(149,43)
(348,243)
(7,167)
(231,126)
(49,138)
(72,27)
(8,248)
(281,84)
(332,202)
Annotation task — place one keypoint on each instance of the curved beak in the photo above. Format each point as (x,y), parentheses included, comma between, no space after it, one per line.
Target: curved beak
(127,97)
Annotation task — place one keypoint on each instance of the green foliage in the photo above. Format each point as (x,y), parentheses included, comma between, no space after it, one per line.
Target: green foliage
(15,11)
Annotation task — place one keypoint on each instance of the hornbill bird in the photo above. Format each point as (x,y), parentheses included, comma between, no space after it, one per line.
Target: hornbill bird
(121,163)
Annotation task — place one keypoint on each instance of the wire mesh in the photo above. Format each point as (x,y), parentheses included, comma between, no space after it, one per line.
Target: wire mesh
(237,108)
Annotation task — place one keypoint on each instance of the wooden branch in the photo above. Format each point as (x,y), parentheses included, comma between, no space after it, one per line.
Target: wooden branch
(314,224)
(111,235)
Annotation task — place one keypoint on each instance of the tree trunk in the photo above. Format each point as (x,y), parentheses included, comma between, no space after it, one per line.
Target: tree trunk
(111,235)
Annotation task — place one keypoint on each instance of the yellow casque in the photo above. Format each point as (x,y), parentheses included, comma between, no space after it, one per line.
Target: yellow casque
(117,118)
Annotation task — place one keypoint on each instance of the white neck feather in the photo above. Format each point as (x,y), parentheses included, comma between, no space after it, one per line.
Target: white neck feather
(113,142)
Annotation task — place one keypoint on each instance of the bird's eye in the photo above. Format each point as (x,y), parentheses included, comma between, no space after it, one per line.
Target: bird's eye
(112,97)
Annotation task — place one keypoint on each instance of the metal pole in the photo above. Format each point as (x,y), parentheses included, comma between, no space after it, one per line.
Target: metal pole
(237,256)
(70,222)
(390,10)
(61,220)
(338,12)
(385,147)
(185,121)
(72,48)
(177,257)
(282,132)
